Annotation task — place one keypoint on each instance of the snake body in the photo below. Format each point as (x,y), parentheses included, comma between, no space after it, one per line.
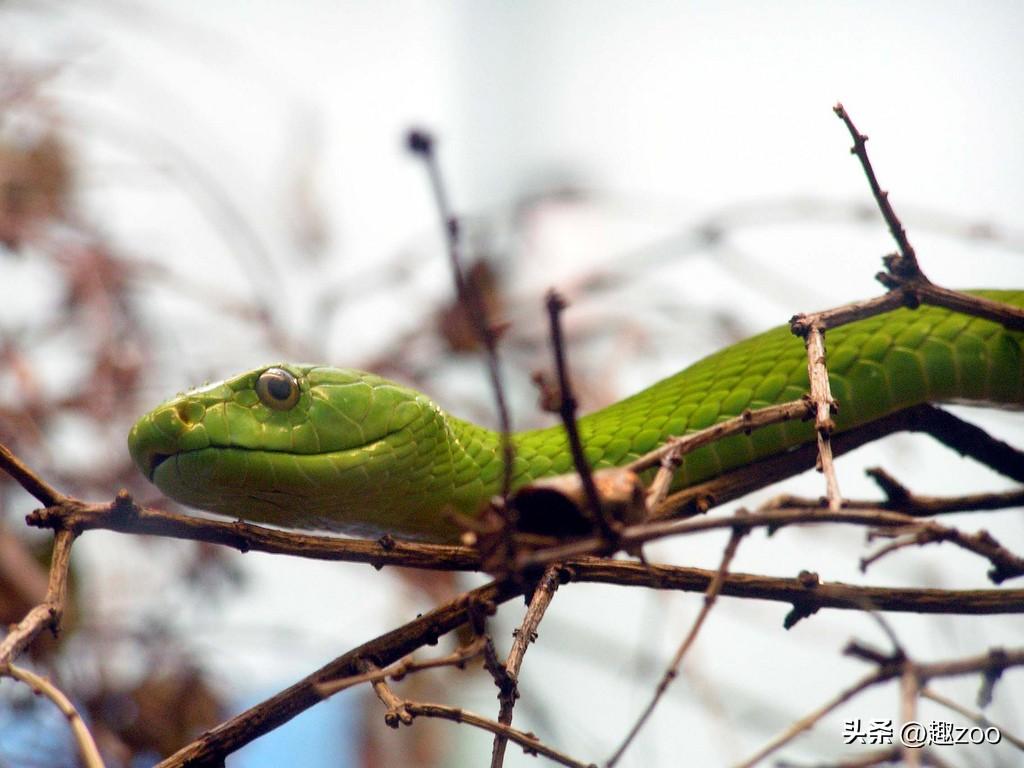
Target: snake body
(308,446)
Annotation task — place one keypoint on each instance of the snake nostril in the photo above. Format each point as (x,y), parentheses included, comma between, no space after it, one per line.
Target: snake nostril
(189,412)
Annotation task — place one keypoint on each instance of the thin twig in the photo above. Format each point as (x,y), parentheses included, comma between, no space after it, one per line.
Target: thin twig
(974,717)
(745,423)
(904,277)
(771,518)
(970,440)
(125,516)
(403,667)
(673,668)
(901,499)
(992,663)
(28,479)
(213,746)
(87,749)
(910,688)
(567,409)
(963,437)
(421,143)
(529,742)
(524,635)
(1007,315)
(808,720)
(806,593)
(1005,564)
(48,613)
(821,395)
(396,713)
(908,265)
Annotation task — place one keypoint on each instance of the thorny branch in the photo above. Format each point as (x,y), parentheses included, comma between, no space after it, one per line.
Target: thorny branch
(211,748)
(1005,564)
(899,498)
(903,275)
(825,405)
(530,744)
(524,635)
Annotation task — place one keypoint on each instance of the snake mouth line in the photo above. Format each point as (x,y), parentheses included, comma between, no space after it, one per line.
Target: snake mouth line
(155,459)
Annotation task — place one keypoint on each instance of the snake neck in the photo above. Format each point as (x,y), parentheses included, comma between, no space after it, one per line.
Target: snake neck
(876,366)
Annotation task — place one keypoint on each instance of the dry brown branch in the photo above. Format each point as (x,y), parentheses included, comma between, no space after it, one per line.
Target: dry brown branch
(951,431)
(529,742)
(992,663)
(421,144)
(745,423)
(524,635)
(125,516)
(673,668)
(974,717)
(910,688)
(396,713)
(213,746)
(1005,564)
(825,406)
(1007,315)
(567,410)
(900,499)
(807,593)
(904,277)
(48,613)
(403,667)
(970,440)
(87,749)
(28,479)
(807,721)
(881,197)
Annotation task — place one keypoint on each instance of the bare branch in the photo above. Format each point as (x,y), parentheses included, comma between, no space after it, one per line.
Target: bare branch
(421,143)
(908,265)
(529,742)
(974,717)
(403,667)
(125,516)
(231,735)
(524,635)
(567,409)
(49,612)
(87,749)
(673,668)
(28,479)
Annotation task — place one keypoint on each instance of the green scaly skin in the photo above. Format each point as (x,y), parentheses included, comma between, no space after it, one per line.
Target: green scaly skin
(365,456)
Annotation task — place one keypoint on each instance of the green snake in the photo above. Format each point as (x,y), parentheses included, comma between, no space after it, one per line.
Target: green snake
(308,446)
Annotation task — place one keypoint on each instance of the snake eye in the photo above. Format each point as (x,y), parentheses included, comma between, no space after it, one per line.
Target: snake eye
(277,389)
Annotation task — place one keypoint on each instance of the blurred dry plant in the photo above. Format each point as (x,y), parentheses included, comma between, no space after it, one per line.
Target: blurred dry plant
(67,294)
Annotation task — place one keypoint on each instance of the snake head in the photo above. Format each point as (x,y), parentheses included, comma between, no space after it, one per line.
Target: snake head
(295,445)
